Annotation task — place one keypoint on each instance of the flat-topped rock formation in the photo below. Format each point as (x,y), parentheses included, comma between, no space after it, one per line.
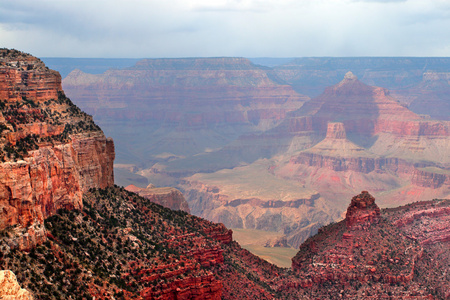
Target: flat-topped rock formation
(166,196)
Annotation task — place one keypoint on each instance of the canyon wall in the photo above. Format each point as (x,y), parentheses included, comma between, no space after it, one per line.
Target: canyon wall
(166,196)
(185,107)
(51,152)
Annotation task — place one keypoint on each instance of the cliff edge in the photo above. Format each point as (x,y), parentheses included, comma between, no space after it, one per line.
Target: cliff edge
(50,151)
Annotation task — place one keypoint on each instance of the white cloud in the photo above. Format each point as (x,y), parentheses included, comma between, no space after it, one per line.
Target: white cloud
(177,28)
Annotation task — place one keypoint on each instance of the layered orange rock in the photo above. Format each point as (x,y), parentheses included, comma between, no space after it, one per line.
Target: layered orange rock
(22,75)
(51,152)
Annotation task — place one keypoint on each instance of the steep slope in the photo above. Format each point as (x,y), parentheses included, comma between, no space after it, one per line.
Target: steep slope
(372,254)
(50,151)
(124,246)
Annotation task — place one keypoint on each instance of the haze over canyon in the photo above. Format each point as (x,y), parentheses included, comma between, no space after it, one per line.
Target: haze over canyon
(277,148)
(246,150)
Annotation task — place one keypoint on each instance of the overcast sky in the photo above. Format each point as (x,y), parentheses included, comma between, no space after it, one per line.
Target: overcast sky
(249,28)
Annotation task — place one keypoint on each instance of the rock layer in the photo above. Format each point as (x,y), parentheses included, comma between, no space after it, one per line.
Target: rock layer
(165,196)
(22,75)
(51,152)
(362,211)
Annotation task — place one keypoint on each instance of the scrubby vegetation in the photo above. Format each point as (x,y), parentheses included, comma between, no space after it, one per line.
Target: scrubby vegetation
(28,124)
(119,245)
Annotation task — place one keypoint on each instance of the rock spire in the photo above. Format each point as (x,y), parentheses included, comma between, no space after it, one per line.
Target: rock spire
(362,212)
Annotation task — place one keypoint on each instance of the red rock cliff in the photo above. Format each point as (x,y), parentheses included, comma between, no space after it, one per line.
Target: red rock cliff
(22,75)
(50,151)
(362,211)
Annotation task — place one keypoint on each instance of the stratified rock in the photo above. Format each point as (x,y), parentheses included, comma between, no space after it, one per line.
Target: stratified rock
(336,130)
(10,288)
(362,211)
(185,106)
(23,75)
(166,196)
(50,151)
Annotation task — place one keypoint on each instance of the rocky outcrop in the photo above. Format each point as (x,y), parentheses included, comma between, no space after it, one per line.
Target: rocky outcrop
(358,250)
(51,152)
(22,75)
(336,130)
(10,288)
(166,196)
(54,177)
(362,211)
(188,288)
(428,225)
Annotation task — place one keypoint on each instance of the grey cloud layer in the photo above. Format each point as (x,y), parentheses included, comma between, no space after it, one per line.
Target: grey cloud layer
(176,28)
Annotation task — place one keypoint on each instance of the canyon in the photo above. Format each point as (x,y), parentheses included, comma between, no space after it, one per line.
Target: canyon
(69,232)
(247,148)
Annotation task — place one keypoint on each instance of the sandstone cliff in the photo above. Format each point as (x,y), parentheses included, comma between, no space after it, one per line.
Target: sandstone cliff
(51,152)
(165,196)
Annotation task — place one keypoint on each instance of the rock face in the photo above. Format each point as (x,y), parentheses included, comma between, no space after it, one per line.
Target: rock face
(362,211)
(166,196)
(22,75)
(10,289)
(51,152)
(336,130)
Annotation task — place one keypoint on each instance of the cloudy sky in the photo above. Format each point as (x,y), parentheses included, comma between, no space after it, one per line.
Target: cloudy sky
(249,28)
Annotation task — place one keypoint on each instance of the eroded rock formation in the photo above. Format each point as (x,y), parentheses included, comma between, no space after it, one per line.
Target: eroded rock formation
(50,151)
(165,196)
(362,211)
(368,247)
